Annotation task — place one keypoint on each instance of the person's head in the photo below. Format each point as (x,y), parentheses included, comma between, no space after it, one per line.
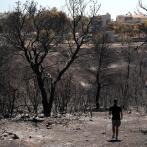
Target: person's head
(115,101)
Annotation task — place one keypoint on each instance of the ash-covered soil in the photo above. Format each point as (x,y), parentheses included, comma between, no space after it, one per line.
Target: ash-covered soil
(73,131)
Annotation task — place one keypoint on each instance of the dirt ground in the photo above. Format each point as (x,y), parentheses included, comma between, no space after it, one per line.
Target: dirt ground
(71,131)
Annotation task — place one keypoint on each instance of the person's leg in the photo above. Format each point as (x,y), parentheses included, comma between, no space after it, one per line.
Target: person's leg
(117,130)
(113,131)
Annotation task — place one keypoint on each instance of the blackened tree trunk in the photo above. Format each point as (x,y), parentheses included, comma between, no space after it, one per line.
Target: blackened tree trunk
(43,95)
(13,103)
(41,85)
(98,91)
(98,97)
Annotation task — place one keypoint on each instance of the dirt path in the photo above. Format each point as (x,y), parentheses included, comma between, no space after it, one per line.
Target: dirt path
(95,132)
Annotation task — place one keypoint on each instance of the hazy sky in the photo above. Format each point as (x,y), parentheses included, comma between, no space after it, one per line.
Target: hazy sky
(114,7)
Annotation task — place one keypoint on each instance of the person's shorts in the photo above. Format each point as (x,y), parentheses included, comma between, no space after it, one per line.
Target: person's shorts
(116,123)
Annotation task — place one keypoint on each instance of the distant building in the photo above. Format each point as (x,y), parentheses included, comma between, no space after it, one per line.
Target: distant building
(124,19)
(105,19)
(141,17)
(131,19)
(100,22)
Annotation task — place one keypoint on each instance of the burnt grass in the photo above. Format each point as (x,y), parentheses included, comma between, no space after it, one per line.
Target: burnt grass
(74,131)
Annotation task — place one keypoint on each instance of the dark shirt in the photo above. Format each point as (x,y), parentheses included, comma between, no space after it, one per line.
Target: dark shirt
(116,112)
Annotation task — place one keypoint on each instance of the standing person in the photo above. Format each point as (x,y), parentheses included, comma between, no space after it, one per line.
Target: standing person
(117,115)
